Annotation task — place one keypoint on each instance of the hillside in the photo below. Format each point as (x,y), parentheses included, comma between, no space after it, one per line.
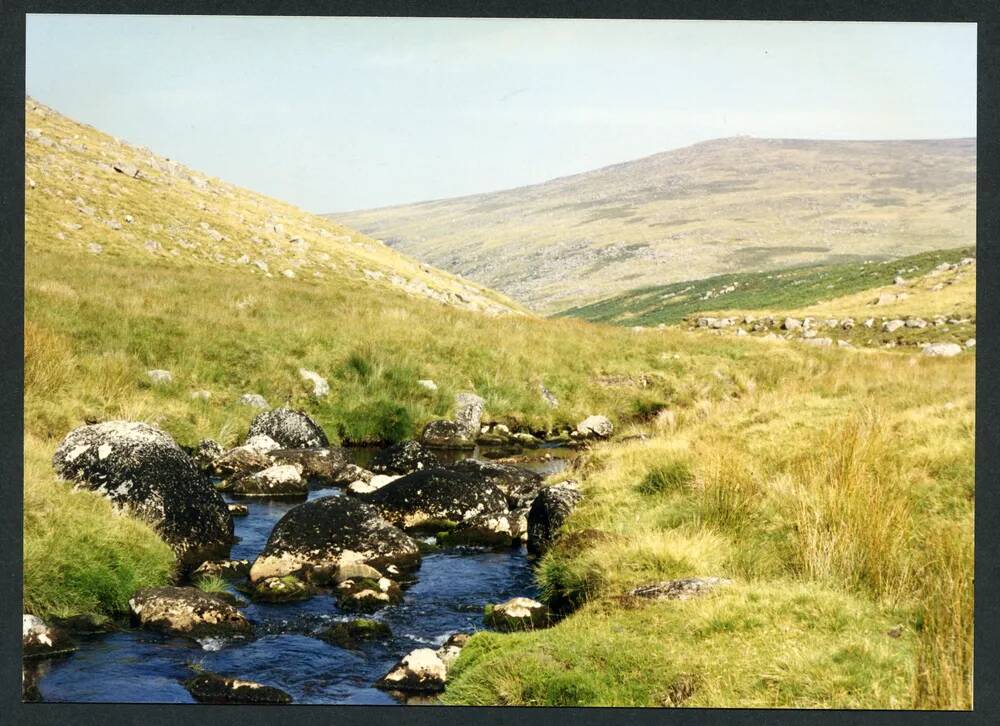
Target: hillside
(834,488)
(784,289)
(724,206)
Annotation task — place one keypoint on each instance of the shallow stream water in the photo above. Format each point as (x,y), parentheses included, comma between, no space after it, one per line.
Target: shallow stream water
(448,595)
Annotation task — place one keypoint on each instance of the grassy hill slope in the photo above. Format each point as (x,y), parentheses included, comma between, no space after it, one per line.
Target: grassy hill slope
(723,206)
(786,289)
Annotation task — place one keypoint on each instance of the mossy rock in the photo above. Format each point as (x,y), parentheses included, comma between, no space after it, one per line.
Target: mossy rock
(352,633)
(366,595)
(287,588)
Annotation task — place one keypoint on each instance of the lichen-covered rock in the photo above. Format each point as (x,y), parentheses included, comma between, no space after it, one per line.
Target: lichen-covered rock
(548,512)
(469,413)
(291,429)
(403,458)
(320,387)
(282,480)
(187,611)
(41,640)
(228,569)
(240,461)
(323,466)
(287,588)
(208,451)
(428,497)
(352,633)
(315,538)
(422,671)
(370,484)
(683,589)
(142,470)
(942,350)
(366,595)
(489,530)
(519,486)
(444,434)
(596,426)
(519,613)
(356,571)
(253,400)
(212,688)
(261,443)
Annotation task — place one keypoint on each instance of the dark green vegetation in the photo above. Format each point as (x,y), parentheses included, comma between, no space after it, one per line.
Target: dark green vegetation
(778,290)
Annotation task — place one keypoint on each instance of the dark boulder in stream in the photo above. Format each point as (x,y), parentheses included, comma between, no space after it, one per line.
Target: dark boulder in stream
(403,458)
(211,688)
(143,471)
(314,539)
(519,486)
(437,499)
(548,512)
(352,633)
(322,466)
(443,434)
(291,429)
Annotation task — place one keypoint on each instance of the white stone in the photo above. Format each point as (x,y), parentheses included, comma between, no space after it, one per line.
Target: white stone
(320,387)
(942,350)
(428,384)
(160,376)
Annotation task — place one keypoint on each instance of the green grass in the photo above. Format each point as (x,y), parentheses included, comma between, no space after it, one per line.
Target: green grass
(782,289)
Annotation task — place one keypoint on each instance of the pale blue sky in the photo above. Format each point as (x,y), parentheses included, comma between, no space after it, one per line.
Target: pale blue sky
(336,114)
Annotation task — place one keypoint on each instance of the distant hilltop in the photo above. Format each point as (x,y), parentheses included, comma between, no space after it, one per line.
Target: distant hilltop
(736,204)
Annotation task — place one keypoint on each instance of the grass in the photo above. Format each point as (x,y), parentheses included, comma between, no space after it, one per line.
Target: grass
(788,289)
(212,583)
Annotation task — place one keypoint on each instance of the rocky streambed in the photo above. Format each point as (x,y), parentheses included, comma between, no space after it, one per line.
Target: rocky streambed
(352,629)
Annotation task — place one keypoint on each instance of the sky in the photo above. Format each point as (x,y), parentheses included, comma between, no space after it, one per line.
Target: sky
(337,114)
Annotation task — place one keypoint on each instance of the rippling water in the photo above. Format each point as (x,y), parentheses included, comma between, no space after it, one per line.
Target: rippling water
(448,596)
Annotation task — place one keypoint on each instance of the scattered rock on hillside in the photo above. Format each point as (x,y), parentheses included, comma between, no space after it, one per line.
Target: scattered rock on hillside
(916,323)
(550,400)
(791,324)
(548,512)
(942,350)
(428,384)
(819,342)
(292,429)
(254,400)
(421,671)
(159,376)
(598,426)
(281,480)
(211,688)
(129,170)
(314,539)
(891,326)
(141,469)
(970,343)
(402,458)
(432,496)
(519,613)
(187,611)
(679,589)
(201,395)
(41,640)
(94,248)
(320,387)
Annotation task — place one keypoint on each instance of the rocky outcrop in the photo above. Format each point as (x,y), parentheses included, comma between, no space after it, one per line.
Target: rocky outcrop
(683,589)
(422,671)
(519,613)
(187,611)
(548,512)
(143,471)
(430,497)
(41,640)
(282,480)
(212,688)
(403,458)
(315,538)
(291,429)
(352,633)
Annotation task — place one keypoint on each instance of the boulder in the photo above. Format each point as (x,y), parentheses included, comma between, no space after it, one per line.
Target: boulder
(429,498)
(916,323)
(490,529)
(227,569)
(374,483)
(211,688)
(518,485)
(291,429)
(239,462)
(254,400)
(683,589)
(287,588)
(366,595)
(428,384)
(452,648)
(422,671)
(519,613)
(469,412)
(891,326)
(356,571)
(143,471)
(942,350)
(159,376)
(322,466)
(261,443)
(282,480)
(402,458)
(187,611)
(548,512)
(352,633)
(41,640)
(208,451)
(791,324)
(320,388)
(315,538)
(597,426)
(444,434)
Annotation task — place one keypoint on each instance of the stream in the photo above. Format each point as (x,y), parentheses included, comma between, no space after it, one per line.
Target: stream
(451,588)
